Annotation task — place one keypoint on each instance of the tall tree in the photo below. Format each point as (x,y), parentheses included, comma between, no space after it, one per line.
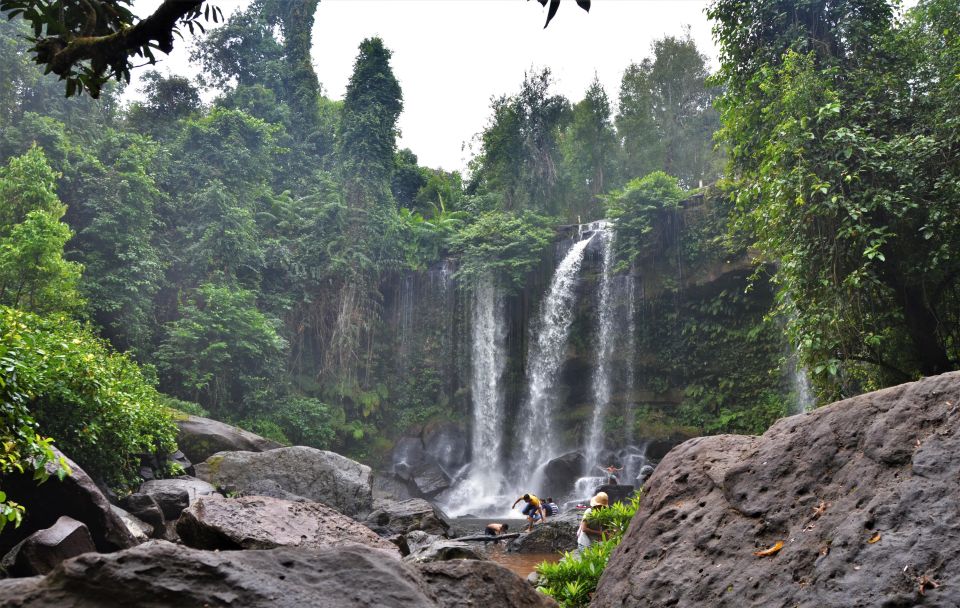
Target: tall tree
(34,276)
(590,150)
(666,118)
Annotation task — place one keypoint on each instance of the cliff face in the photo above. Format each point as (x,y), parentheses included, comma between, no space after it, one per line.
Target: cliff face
(860,497)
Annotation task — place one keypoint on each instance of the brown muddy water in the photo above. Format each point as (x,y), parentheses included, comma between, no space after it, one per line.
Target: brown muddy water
(522,564)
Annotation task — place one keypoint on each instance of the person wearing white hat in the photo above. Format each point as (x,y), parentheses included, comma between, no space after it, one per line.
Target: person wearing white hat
(585,534)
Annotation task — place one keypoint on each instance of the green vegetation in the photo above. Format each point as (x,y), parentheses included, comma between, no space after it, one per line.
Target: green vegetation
(274,258)
(573,579)
(97,406)
(841,124)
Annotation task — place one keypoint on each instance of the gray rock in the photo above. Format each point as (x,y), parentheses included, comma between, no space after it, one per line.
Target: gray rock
(139,529)
(556,534)
(561,473)
(419,539)
(399,517)
(43,550)
(442,550)
(389,486)
(261,522)
(76,496)
(145,508)
(269,487)
(430,479)
(158,574)
(176,494)
(200,438)
(480,583)
(314,474)
(862,494)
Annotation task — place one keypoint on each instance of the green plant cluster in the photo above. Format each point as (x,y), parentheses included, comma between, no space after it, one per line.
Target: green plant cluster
(573,580)
(94,403)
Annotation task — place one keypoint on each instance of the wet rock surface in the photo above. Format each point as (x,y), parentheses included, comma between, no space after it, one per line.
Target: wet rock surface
(862,494)
(316,475)
(443,550)
(200,438)
(261,522)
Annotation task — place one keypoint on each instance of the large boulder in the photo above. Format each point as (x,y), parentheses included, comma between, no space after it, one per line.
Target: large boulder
(176,494)
(480,583)
(557,534)
(42,551)
(399,517)
(261,522)
(560,473)
(75,496)
(158,574)
(430,479)
(860,497)
(200,438)
(314,474)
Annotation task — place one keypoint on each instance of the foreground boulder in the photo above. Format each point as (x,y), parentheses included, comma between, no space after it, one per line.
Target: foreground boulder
(399,517)
(200,438)
(159,574)
(860,496)
(42,551)
(76,496)
(316,475)
(261,522)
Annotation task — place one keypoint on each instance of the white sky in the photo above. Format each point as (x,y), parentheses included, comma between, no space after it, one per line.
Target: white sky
(452,56)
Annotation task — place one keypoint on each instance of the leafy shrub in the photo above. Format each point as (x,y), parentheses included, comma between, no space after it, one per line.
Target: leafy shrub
(94,403)
(501,243)
(573,579)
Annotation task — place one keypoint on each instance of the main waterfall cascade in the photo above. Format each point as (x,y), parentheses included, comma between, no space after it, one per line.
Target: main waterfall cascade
(536,421)
(604,346)
(489,484)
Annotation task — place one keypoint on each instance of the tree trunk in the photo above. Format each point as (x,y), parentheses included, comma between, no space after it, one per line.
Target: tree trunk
(922,324)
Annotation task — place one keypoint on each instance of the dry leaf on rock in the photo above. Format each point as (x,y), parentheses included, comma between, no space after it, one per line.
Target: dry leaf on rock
(771,551)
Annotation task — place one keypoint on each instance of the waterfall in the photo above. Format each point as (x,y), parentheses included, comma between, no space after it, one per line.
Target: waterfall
(479,490)
(629,417)
(536,438)
(488,362)
(604,344)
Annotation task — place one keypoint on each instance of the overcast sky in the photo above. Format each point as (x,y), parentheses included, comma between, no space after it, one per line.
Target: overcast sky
(452,56)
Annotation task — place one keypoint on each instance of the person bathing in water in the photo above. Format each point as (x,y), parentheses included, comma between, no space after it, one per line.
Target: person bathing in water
(496,529)
(532,507)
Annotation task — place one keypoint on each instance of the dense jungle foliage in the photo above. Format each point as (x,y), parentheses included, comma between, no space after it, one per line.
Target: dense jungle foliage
(240,252)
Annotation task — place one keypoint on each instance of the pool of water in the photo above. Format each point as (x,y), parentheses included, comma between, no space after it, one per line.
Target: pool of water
(522,564)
